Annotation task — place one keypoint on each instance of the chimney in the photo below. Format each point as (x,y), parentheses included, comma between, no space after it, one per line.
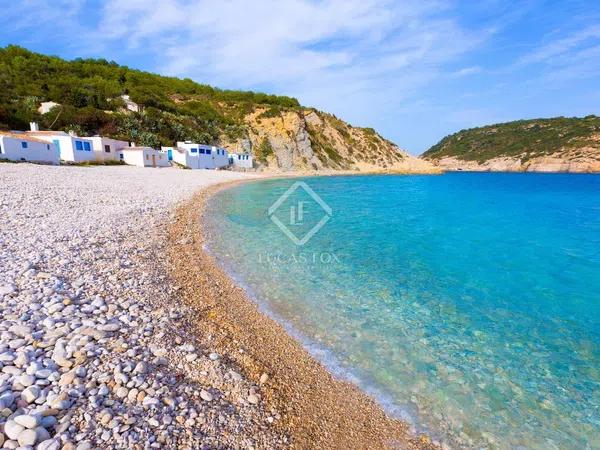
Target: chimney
(33,126)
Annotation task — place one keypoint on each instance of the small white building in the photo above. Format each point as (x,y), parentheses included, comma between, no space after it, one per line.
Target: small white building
(71,148)
(243,160)
(130,104)
(45,107)
(169,152)
(106,149)
(143,157)
(180,156)
(21,147)
(200,156)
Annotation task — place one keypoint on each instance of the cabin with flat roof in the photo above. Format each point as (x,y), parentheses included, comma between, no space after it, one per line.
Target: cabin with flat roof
(201,156)
(18,146)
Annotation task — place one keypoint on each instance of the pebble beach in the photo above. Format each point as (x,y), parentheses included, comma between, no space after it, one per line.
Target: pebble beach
(91,352)
(102,343)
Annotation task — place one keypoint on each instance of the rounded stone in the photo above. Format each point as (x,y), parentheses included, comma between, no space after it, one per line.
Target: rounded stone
(122,392)
(41,434)
(28,420)
(12,429)
(31,394)
(49,444)
(26,380)
(206,396)
(27,438)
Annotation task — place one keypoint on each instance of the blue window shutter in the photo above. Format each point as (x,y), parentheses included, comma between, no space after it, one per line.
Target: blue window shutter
(87,147)
(78,145)
(24,144)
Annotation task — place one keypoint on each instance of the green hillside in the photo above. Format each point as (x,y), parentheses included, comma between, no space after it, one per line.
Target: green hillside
(89,92)
(282,134)
(525,139)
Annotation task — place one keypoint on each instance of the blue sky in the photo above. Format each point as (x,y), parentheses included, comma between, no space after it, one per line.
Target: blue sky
(414,70)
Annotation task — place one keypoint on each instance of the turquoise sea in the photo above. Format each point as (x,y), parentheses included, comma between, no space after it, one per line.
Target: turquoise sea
(467,304)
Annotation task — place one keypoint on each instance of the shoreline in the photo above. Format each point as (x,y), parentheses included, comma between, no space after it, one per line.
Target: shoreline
(316,409)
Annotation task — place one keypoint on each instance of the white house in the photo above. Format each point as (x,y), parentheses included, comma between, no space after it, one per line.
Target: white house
(129,104)
(243,161)
(169,152)
(71,148)
(45,107)
(21,147)
(143,157)
(106,149)
(200,156)
(180,156)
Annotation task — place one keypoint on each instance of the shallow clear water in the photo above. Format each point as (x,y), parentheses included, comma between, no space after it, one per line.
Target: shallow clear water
(468,303)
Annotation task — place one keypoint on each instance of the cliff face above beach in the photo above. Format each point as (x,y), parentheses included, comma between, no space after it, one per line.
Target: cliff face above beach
(305,139)
(95,96)
(540,145)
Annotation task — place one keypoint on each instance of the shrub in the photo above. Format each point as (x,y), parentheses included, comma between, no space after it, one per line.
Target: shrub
(263,151)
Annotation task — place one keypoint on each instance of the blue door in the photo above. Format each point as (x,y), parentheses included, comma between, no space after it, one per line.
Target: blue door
(56,143)
(170,155)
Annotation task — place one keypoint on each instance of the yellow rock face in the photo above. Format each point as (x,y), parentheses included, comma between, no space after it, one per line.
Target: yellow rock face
(307,140)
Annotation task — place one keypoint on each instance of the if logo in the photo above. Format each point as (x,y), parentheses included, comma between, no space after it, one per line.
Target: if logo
(297,213)
(306,216)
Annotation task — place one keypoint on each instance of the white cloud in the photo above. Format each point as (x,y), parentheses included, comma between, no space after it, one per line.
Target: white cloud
(467,71)
(573,56)
(358,58)
(562,47)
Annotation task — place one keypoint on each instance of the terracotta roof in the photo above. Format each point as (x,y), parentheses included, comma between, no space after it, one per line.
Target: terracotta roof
(41,133)
(22,137)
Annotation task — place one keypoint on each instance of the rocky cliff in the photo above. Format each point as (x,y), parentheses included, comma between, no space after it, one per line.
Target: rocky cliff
(539,145)
(304,139)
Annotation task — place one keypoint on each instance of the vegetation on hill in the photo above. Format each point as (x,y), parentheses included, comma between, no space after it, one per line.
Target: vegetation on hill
(524,139)
(263,151)
(89,92)
(281,133)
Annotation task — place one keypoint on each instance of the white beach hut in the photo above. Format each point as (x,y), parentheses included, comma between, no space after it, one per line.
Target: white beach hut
(200,156)
(71,148)
(243,161)
(143,157)
(16,146)
(179,156)
(107,149)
